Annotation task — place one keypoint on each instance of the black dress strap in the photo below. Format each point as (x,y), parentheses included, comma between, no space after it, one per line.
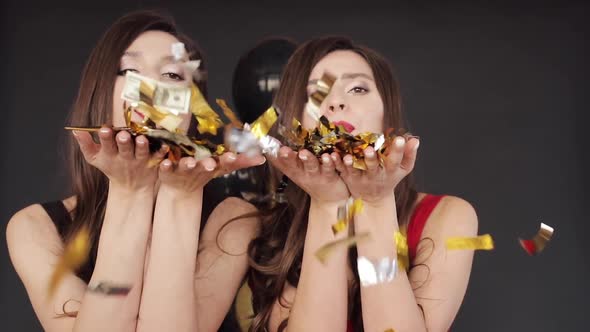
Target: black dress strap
(59,215)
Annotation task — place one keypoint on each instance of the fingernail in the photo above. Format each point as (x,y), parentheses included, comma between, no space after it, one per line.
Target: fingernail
(167,163)
(302,157)
(334,158)
(104,130)
(263,161)
(191,164)
(348,162)
(209,168)
(231,157)
(325,159)
(123,139)
(417,145)
(75,133)
(369,153)
(285,155)
(400,142)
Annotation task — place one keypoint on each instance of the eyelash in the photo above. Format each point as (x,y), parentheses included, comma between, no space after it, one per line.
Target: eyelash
(123,72)
(358,87)
(170,75)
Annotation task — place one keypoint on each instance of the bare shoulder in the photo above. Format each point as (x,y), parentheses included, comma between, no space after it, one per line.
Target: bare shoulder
(29,224)
(32,238)
(453,216)
(232,224)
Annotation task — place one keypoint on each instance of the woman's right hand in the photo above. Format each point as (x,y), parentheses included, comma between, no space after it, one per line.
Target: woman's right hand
(124,162)
(318,179)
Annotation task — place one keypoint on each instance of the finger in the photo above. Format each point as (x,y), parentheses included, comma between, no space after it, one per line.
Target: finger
(410,153)
(371,161)
(107,141)
(142,150)
(348,163)
(166,166)
(186,164)
(311,164)
(125,145)
(228,161)
(338,164)
(396,152)
(327,167)
(286,160)
(87,146)
(207,164)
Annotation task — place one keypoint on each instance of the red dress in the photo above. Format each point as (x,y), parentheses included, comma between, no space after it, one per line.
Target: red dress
(416,226)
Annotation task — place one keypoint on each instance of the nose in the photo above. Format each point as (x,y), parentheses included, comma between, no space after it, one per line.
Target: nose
(333,103)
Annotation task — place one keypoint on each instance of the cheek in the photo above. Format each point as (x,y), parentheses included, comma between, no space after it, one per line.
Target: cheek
(307,121)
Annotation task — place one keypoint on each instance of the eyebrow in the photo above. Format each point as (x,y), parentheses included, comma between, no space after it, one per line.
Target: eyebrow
(136,54)
(345,76)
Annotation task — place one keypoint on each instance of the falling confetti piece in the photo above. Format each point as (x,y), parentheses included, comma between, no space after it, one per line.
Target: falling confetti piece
(75,254)
(401,246)
(539,241)
(482,242)
(326,250)
(346,212)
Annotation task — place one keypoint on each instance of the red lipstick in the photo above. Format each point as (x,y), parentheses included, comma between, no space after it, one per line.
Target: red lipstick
(347,126)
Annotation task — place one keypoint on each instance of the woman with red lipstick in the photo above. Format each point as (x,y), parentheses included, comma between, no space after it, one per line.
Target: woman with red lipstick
(144,222)
(292,290)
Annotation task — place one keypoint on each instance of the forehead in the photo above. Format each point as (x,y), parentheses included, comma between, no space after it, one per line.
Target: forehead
(157,43)
(339,62)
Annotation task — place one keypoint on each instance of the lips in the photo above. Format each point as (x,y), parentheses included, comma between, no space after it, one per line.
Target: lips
(347,126)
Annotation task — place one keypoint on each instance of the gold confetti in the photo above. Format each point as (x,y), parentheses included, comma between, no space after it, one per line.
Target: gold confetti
(74,256)
(401,247)
(346,212)
(539,241)
(326,250)
(231,116)
(208,120)
(261,126)
(482,242)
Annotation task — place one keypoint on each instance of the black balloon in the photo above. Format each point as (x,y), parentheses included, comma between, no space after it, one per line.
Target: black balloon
(257,76)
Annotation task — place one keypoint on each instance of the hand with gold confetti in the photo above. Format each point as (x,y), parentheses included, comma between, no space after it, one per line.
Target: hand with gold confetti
(122,160)
(381,177)
(318,179)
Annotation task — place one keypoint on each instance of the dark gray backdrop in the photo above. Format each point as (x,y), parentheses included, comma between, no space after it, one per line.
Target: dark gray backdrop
(496,91)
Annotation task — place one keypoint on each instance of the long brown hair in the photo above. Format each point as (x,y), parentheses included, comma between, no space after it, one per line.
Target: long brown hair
(93,107)
(276,254)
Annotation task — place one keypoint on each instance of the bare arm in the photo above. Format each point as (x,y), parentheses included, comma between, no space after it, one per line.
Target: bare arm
(171,299)
(441,285)
(321,299)
(439,288)
(35,245)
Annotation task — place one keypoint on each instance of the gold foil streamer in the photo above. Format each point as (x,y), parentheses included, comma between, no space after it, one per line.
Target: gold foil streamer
(323,87)
(401,247)
(482,242)
(389,330)
(326,250)
(74,256)
(231,116)
(208,120)
(261,126)
(539,241)
(346,213)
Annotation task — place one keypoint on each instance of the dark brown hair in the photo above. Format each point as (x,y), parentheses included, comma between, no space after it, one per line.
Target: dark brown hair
(276,254)
(93,107)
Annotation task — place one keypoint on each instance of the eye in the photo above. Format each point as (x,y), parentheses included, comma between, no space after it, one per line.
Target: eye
(123,72)
(358,90)
(173,76)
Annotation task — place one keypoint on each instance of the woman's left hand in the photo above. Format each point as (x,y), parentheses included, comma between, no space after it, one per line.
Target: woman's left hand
(191,175)
(377,183)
